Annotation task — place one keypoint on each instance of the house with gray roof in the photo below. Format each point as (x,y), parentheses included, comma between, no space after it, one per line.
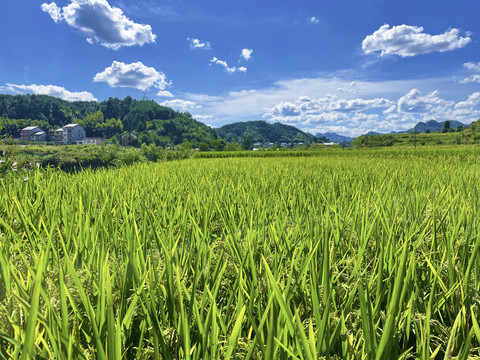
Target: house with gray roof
(27,134)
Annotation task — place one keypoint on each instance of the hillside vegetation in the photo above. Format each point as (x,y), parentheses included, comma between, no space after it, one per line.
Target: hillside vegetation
(262,132)
(153,123)
(451,136)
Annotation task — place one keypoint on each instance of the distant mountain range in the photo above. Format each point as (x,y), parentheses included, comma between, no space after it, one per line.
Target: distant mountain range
(334,137)
(423,127)
(261,132)
(434,126)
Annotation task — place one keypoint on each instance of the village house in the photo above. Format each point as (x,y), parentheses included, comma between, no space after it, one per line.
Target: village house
(26,134)
(72,133)
(58,136)
(128,138)
(91,141)
(40,136)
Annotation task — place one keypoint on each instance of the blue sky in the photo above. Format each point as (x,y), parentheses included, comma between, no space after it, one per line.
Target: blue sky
(343,66)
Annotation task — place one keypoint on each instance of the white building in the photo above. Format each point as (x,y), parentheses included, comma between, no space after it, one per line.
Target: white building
(27,133)
(72,133)
(91,141)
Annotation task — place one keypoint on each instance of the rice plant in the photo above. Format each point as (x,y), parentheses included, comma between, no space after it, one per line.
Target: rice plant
(342,255)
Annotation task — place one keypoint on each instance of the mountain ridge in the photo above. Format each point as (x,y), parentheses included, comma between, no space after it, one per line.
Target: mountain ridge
(261,131)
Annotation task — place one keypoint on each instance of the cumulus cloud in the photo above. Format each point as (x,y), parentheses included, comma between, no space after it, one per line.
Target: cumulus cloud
(134,75)
(472,66)
(351,87)
(305,105)
(405,41)
(229,69)
(328,109)
(414,107)
(182,105)
(197,44)
(51,90)
(100,22)
(360,114)
(475,67)
(247,54)
(415,102)
(358,104)
(472,101)
(471,79)
(285,109)
(314,20)
(165,93)
(53,10)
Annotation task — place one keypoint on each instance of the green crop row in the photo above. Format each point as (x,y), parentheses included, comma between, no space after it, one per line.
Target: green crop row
(339,256)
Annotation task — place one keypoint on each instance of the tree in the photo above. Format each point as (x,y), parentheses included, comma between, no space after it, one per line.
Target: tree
(92,123)
(203,146)
(247,143)
(475,126)
(233,146)
(446,126)
(218,144)
(110,127)
(186,145)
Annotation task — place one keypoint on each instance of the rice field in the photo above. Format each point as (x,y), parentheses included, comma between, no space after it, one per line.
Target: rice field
(342,255)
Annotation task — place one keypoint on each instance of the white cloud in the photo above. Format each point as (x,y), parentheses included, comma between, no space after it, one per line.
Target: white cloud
(314,20)
(252,103)
(165,93)
(358,104)
(472,101)
(204,118)
(247,54)
(415,102)
(326,110)
(99,21)
(475,67)
(471,79)
(285,109)
(306,106)
(53,10)
(472,66)
(51,90)
(391,110)
(134,75)
(197,44)
(229,69)
(414,107)
(405,40)
(181,105)
(351,88)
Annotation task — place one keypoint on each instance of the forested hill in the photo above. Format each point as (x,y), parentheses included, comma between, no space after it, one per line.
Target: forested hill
(54,111)
(435,126)
(153,123)
(261,131)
